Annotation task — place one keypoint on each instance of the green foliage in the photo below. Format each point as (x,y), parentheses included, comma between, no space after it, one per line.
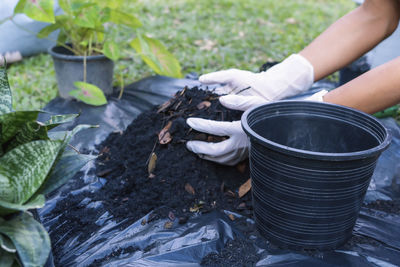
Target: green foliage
(85,24)
(89,93)
(154,53)
(32,164)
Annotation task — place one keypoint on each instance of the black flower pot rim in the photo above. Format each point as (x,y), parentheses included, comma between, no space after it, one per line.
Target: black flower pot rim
(327,109)
(71,57)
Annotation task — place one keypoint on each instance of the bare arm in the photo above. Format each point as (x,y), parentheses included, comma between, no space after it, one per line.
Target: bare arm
(349,38)
(352,36)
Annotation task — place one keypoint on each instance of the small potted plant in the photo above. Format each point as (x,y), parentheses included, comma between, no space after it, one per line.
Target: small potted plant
(85,50)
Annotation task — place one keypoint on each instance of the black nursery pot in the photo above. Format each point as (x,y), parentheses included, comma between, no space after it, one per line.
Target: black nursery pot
(69,68)
(311,164)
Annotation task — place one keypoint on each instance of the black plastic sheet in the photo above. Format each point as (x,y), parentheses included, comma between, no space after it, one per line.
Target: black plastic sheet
(185,245)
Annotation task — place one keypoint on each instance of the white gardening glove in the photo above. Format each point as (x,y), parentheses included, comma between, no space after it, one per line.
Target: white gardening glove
(228,152)
(292,76)
(239,102)
(234,149)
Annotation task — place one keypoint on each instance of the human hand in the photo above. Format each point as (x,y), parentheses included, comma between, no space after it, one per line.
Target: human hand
(290,77)
(228,152)
(234,149)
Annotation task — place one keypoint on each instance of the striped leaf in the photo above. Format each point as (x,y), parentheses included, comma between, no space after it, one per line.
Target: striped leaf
(5,93)
(6,244)
(24,169)
(30,131)
(12,122)
(6,258)
(7,208)
(56,120)
(29,238)
(69,164)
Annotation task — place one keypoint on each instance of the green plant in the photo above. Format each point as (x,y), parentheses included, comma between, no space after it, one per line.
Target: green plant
(33,163)
(86,28)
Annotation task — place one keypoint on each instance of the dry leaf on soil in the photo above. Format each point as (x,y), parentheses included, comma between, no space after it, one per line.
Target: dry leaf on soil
(204,104)
(164,137)
(244,188)
(152,163)
(168,225)
(189,189)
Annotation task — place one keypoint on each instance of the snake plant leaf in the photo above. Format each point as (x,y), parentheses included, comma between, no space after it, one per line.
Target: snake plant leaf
(36,202)
(156,56)
(12,122)
(111,50)
(69,164)
(119,17)
(56,120)
(89,94)
(6,244)
(6,258)
(29,237)
(24,169)
(30,131)
(41,10)
(5,93)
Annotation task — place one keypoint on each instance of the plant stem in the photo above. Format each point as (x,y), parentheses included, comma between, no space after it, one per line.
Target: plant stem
(122,87)
(84,67)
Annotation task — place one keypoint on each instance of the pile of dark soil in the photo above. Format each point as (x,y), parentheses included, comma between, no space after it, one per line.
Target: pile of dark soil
(148,166)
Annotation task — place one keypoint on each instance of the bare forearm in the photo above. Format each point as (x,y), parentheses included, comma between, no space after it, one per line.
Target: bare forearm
(352,36)
(373,91)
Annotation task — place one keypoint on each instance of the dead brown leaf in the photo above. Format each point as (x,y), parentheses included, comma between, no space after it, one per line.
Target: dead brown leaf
(204,104)
(165,105)
(231,217)
(189,188)
(143,222)
(152,163)
(168,225)
(164,137)
(244,188)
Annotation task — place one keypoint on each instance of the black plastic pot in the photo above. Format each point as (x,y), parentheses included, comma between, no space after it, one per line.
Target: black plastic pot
(311,164)
(69,68)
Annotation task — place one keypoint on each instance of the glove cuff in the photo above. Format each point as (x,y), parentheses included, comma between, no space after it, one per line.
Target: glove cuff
(292,76)
(319,96)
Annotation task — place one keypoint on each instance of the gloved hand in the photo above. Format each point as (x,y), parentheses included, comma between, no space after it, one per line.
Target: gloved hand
(234,149)
(290,77)
(228,152)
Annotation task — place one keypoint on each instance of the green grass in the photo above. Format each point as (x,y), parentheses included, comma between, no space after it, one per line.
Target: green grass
(205,36)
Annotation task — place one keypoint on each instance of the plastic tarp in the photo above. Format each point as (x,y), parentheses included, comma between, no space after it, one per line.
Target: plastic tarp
(187,244)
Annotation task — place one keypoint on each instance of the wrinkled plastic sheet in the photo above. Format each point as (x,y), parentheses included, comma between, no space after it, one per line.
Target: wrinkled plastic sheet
(186,245)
